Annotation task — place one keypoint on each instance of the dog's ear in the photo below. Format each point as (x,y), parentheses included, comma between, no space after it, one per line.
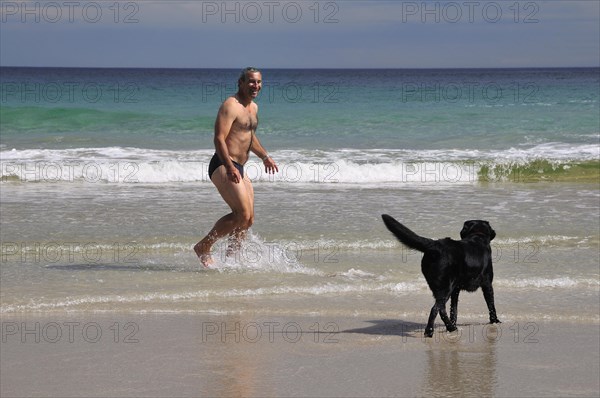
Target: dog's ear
(466,228)
(492,232)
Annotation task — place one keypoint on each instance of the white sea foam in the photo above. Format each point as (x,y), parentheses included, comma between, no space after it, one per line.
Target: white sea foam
(357,282)
(256,255)
(358,274)
(549,283)
(136,165)
(85,302)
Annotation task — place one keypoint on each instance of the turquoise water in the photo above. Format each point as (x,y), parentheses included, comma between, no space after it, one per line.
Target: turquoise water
(104,189)
(503,119)
(302,109)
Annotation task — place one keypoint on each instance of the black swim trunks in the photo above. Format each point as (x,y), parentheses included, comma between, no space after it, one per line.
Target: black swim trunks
(216,162)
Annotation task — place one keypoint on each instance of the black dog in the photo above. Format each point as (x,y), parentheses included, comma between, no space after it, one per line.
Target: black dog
(450,266)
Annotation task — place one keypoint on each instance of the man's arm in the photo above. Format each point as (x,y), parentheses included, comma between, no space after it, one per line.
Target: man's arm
(225,118)
(261,152)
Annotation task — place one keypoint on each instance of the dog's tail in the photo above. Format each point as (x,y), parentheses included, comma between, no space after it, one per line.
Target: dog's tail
(406,236)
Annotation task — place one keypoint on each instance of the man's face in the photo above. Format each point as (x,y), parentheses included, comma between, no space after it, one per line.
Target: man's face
(252,85)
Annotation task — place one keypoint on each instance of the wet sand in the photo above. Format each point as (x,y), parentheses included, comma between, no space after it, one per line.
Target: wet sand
(109,355)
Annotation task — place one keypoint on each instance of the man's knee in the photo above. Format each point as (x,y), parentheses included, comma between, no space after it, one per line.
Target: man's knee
(244,219)
(248,220)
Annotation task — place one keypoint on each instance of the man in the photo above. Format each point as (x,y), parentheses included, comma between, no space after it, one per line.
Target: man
(235,137)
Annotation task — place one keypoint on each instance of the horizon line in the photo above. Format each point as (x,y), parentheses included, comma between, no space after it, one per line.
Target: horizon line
(305,68)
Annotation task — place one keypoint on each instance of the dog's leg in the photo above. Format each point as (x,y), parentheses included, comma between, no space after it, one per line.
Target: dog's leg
(442,309)
(488,295)
(430,322)
(454,306)
(439,307)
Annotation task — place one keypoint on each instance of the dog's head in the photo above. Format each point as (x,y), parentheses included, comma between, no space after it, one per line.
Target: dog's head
(477,227)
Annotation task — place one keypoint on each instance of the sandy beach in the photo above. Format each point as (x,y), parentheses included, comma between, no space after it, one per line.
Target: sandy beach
(110,355)
(101,202)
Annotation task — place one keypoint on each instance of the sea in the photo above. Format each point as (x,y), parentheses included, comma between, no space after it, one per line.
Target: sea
(104,190)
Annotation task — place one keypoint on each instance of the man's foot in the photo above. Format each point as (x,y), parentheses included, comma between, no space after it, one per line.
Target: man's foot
(203,253)
(206,260)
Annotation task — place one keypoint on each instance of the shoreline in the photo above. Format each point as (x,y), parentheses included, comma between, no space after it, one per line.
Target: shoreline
(85,354)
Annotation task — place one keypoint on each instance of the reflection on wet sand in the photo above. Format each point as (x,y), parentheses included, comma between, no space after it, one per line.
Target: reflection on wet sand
(463,364)
(236,359)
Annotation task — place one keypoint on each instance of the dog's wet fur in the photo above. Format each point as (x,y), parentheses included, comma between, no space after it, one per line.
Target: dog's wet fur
(450,266)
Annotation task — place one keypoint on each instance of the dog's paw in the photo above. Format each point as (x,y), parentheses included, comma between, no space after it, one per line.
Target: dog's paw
(451,328)
(429,332)
(494,320)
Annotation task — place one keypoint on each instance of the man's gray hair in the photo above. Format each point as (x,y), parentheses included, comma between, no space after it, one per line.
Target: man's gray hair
(245,72)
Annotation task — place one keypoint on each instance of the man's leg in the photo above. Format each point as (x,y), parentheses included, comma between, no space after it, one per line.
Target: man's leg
(240,198)
(238,235)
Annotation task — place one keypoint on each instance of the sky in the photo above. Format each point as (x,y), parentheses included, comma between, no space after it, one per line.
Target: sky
(300,34)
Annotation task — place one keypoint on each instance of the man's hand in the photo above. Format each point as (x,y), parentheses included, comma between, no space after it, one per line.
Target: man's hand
(233,174)
(270,165)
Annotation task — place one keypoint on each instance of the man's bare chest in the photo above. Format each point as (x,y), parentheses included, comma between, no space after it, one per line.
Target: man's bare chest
(246,122)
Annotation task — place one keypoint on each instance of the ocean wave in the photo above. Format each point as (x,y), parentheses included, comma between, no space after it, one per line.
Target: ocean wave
(552,283)
(254,255)
(92,302)
(292,256)
(544,162)
(547,241)
(351,282)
